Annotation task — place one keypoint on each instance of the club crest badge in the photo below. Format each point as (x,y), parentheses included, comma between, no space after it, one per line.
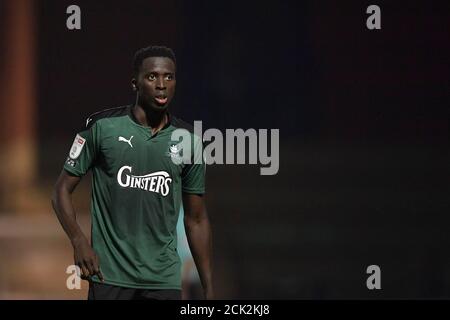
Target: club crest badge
(174,152)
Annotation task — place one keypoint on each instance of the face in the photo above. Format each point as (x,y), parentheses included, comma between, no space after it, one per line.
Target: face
(155,82)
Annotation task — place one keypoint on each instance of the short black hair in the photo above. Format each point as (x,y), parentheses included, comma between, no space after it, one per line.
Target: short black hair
(151,51)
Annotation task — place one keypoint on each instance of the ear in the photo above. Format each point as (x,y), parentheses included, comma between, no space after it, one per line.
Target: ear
(134,84)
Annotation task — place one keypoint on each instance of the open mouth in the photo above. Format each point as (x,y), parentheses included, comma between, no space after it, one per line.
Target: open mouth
(161,100)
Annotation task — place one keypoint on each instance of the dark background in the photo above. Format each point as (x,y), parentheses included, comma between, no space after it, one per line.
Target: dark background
(363,118)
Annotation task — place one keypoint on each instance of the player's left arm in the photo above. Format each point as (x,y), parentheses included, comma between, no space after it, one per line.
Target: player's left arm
(198,232)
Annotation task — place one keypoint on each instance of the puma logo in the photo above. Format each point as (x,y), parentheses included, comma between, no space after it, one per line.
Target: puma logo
(126,140)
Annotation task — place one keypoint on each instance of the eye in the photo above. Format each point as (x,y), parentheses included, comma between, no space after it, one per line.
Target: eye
(169,77)
(151,77)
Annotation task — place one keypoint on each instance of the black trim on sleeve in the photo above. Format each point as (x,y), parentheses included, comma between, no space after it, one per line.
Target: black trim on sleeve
(107,113)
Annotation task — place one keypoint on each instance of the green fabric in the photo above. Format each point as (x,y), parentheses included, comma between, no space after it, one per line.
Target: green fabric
(136,198)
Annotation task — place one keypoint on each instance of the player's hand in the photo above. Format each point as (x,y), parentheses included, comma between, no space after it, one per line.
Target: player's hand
(86,258)
(209,294)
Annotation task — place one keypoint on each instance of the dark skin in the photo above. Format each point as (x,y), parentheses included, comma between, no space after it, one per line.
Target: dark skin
(155,88)
(84,255)
(156,79)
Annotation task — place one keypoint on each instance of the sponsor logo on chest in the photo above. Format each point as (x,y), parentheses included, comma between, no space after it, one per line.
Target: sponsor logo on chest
(158,182)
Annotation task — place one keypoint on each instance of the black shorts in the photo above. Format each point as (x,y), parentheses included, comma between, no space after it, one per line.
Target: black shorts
(101,291)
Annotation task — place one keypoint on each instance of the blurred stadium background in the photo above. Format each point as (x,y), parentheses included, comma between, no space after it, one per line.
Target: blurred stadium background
(364,128)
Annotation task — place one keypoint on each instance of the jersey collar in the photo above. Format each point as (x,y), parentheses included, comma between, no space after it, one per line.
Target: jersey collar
(131,115)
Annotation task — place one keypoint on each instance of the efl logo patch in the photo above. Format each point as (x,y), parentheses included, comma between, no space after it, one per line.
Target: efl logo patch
(77,146)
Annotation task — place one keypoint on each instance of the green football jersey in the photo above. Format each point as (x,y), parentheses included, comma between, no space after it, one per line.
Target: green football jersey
(136,196)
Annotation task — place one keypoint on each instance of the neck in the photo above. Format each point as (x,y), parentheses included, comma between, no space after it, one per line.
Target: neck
(147,117)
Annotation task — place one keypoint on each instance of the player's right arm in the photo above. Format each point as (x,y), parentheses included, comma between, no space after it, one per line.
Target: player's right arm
(81,158)
(84,255)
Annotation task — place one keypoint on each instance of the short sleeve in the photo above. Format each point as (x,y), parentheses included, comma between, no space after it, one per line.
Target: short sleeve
(82,153)
(193,175)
